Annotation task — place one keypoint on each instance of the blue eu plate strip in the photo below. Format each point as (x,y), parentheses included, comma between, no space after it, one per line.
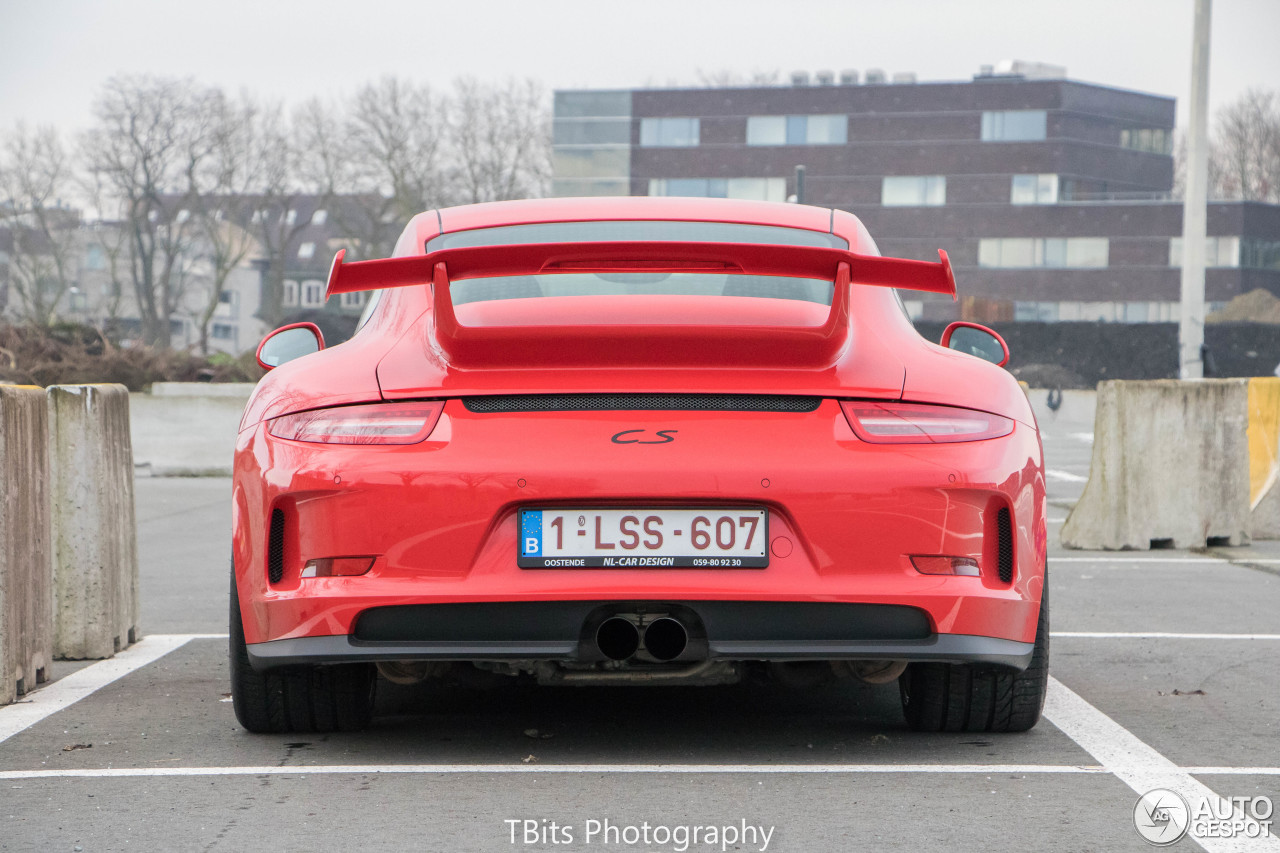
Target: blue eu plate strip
(531,533)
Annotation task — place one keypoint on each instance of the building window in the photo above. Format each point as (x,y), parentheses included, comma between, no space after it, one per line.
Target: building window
(1153,140)
(1014,125)
(1034,189)
(1218,251)
(668,132)
(289,298)
(312,294)
(223,331)
(1260,254)
(759,189)
(319,217)
(798,130)
(561,187)
(306,250)
(914,191)
(1065,252)
(595,131)
(291,217)
(228,298)
(1035,312)
(95,257)
(353,300)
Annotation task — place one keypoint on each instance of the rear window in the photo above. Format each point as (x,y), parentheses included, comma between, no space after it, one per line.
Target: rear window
(638,283)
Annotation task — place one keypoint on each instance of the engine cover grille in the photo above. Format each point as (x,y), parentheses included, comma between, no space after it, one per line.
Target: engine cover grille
(641,403)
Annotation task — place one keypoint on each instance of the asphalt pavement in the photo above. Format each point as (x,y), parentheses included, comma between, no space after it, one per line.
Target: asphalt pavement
(1165,667)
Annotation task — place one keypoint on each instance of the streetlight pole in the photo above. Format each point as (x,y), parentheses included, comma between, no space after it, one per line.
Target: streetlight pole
(1194,207)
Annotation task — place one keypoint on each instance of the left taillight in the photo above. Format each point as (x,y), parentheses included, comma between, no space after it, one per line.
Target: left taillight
(380,423)
(916,423)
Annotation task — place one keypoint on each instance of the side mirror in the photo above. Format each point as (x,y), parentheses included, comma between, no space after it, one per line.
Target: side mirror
(289,342)
(976,340)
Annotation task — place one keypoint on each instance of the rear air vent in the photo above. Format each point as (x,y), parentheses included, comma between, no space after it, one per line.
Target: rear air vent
(275,547)
(1004,544)
(641,403)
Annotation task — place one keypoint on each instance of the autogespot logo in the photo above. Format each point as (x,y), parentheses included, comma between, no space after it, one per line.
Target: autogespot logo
(1162,817)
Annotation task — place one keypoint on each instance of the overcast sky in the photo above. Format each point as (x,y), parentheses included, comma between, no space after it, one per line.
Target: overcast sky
(55,54)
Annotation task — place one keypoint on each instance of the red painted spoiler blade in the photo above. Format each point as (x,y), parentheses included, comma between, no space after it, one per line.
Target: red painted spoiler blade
(747,258)
(569,344)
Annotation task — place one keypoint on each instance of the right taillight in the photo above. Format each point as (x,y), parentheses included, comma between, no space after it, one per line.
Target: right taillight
(917,423)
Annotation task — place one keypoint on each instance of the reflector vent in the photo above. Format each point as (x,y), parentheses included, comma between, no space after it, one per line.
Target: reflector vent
(275,547)
(641,403)
(1004,544)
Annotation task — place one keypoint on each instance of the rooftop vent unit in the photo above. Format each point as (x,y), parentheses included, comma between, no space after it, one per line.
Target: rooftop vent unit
(985,70)
(849,77)
(875,75)
(824,78)
(904,77)
(1030,70)
(799,78)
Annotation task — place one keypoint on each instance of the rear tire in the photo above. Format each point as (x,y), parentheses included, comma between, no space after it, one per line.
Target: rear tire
(940,697)
(337,698)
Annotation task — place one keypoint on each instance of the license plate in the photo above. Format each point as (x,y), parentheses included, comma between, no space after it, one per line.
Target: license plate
(648,538)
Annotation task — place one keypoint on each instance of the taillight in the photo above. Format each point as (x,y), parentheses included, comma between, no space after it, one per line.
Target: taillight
(915,423)
(380,423)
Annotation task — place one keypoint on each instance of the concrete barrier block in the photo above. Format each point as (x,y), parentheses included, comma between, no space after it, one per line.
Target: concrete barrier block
(1071,406)
(1264,456)
(180,433)
(26,575)
(1170,467)
(95,553)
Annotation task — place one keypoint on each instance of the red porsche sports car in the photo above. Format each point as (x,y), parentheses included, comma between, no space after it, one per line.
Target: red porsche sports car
(638,441)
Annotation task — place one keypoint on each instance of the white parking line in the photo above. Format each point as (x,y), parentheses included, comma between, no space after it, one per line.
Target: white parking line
(471,769)
(1158,635)
(1166,560)
(1136,764)
(1065,476)
(67,691)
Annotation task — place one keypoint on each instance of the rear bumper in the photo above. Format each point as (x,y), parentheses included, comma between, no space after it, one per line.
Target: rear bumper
(441,520)
(564,631)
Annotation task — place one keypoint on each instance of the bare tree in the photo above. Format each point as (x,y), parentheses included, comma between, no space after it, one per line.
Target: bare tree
(275,219)
(35,178)
(501,140)
(225,183)
(377,156)
(113,239)
(1246,151)
(148,145)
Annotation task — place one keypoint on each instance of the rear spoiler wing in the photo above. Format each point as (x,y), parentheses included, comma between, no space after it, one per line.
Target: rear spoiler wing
(745,258)
(776,345)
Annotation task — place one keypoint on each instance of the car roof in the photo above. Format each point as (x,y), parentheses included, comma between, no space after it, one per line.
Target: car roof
(526,212)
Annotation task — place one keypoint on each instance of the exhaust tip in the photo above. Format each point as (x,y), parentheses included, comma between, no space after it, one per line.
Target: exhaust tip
(617,638)
(665,639)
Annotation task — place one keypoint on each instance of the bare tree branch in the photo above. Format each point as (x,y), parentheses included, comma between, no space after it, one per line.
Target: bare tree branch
(35,178)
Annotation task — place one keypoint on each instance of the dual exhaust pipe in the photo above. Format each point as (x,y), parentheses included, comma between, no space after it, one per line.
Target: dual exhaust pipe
(665,639)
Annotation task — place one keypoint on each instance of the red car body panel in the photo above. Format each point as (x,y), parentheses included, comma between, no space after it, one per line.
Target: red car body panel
(440,516)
